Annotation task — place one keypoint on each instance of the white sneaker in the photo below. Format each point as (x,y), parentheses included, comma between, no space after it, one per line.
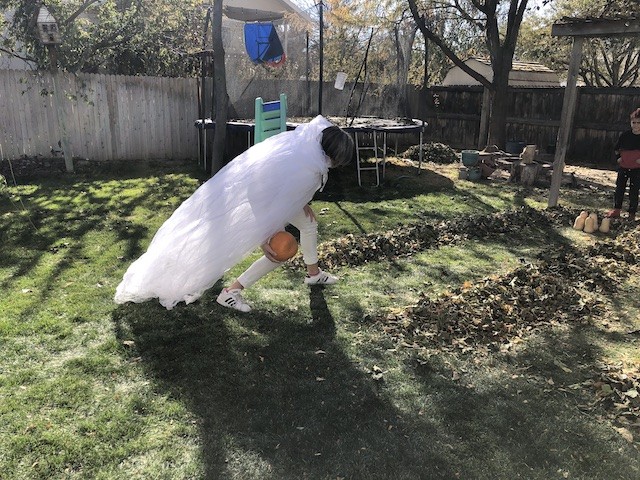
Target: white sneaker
(322,278)
(233,299)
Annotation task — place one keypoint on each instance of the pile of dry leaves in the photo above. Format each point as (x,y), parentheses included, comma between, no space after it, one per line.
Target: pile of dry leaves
(495,312)
(354,250)
(564,285)
(617,391)
(560,286)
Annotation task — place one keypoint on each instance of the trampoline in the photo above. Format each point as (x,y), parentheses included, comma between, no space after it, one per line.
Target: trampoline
(240,136)
(380,129)
(369,134)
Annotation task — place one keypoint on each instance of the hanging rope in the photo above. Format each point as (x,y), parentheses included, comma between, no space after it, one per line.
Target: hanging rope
(363,66)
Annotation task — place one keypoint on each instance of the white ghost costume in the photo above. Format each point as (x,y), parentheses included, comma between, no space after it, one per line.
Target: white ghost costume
(228,217)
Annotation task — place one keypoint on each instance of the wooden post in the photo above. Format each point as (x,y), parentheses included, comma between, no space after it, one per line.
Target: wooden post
(221,97)
(61,112)
(529,173)
(485,114)
(566,121)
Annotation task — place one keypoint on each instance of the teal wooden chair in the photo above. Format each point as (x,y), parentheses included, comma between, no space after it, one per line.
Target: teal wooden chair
(271,118)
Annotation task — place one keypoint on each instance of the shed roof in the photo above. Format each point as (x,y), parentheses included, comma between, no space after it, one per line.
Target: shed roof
(617,25)
(523,74)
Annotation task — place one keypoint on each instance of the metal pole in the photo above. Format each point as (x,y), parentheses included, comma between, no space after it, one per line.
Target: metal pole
(308,80)
(321,57)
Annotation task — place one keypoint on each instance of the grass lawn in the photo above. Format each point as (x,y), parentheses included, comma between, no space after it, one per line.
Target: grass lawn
(399,372)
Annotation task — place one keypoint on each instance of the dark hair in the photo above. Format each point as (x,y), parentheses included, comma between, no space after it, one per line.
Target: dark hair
(337,145)
(635,113)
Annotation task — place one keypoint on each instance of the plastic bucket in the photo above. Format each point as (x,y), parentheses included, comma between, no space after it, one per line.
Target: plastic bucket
(515,147)
(470,158)
(474,174)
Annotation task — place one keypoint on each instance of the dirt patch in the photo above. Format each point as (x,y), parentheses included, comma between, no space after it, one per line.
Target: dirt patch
(599,176)
(32,166)
(39,167)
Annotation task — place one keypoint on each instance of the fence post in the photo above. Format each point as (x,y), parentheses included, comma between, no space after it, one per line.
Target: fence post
(485,114)
(566,121)
(58,100)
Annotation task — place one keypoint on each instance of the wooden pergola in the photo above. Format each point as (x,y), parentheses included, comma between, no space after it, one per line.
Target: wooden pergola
(579,29)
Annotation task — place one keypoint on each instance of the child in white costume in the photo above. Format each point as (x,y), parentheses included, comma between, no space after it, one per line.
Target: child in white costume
(238,209)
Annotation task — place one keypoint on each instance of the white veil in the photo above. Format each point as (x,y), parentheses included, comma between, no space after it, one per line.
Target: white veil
(228,217)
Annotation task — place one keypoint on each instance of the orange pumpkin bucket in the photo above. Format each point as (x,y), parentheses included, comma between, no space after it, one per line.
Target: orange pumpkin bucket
(284,244)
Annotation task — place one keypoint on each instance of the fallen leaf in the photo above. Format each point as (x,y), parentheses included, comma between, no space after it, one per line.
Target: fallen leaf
(625,433)
(606,389)
(564,368)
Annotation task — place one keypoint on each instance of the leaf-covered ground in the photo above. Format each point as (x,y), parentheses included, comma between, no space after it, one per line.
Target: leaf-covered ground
(563,286)
(409,368)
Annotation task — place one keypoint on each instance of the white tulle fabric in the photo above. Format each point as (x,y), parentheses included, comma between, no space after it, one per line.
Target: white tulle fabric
(228,217)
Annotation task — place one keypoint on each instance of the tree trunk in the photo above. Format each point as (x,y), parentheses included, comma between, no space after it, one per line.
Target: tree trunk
(501,35)
(499,108)
(221,97)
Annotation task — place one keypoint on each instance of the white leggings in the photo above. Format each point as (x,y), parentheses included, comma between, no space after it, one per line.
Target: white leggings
(308,244)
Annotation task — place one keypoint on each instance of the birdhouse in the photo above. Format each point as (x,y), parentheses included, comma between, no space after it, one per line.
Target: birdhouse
(48,27)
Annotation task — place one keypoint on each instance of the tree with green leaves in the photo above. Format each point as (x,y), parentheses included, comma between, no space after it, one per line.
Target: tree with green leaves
(355,27)
(606,62)
(127,37)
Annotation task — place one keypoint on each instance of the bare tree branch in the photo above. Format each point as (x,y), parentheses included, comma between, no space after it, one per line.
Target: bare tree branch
(81,9)
(429,34)
(17,55)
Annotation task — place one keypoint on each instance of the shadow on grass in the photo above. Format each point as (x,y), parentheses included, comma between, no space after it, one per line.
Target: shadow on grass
(521,416)
(279,388)
(277,397)
(60,212)
(400,182)
(275,387)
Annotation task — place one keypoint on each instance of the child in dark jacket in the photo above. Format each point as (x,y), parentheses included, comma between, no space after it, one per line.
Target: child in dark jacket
(628,152)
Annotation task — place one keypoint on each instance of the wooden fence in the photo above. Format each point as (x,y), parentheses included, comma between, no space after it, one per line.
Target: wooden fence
(453,114)
(104,117)
(139,118)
